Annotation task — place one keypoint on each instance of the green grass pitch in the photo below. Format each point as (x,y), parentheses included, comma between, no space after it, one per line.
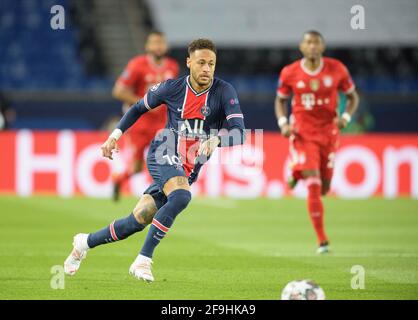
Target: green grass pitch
(217,249)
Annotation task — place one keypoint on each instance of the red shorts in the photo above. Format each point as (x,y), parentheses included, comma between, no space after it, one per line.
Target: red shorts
(138,140)
(314,152)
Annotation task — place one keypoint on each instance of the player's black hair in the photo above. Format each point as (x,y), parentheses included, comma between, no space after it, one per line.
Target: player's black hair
(315,33)
(199,44)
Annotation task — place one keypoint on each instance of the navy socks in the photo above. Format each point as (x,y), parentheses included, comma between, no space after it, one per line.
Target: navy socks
(117,230)
(177,201)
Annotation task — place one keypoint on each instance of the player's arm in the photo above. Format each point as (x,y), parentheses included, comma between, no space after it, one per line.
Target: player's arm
(124,93)
(347,86)
(350,108)
(153,99)
(123,88)
(235,120)
(284,91)
(280,107)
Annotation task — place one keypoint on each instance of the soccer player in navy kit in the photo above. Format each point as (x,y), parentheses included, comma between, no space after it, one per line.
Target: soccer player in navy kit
(198,105)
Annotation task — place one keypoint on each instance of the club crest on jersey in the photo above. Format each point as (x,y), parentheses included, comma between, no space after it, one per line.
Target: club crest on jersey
(155,87)
(314,84)
(327,81)
(205,111)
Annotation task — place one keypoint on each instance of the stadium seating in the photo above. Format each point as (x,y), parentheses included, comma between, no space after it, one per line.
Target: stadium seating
(33,57)
(37,57)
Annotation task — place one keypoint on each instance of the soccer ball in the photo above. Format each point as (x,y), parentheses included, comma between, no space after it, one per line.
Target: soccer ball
(303,290)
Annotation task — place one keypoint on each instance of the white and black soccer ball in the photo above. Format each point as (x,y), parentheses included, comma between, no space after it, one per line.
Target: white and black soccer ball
(303,290)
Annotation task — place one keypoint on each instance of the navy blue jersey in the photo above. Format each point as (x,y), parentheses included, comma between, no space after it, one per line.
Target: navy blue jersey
(194,114)
(192,118)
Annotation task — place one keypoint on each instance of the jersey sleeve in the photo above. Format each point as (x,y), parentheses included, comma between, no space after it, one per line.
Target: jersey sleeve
(284,89)
(130,74)
(346,84)
(234,118)
(156,95)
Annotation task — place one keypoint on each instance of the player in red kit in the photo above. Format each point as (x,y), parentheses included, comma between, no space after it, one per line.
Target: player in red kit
(141,73)
(313,83)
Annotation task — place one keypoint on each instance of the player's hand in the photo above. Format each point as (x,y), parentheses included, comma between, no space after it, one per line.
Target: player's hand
(208,147)
(108,147)
(341,123)
(286,130)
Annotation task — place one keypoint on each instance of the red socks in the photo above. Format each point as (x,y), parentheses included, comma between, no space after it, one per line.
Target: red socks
(315,207)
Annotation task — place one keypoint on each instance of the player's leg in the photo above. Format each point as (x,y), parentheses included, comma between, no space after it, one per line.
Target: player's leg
(178,194)
(327,164)
(295,161)
(308,162)
(327,169)
(315,207)
(116,231)
(325,186)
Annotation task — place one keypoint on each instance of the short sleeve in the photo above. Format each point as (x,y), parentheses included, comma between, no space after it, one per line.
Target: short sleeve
(284,89)
(346,84)
(130,74)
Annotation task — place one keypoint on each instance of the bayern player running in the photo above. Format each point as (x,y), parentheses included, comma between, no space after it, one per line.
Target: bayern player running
(198,105)
(141,73)
(314,82)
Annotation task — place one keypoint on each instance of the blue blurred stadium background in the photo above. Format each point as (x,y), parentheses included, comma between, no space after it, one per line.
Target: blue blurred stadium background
(56,79)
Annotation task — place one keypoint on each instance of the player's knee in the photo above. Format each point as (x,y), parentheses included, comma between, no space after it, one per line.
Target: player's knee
(180,197)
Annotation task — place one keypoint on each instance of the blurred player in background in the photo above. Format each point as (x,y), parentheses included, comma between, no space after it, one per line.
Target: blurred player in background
(197,106)
(314,82)
(141,73)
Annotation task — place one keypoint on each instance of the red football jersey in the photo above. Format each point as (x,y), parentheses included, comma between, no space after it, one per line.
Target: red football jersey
(315,93)
(142,73)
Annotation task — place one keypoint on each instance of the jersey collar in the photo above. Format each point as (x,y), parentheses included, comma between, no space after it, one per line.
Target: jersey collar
(309,72)
(194,91)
